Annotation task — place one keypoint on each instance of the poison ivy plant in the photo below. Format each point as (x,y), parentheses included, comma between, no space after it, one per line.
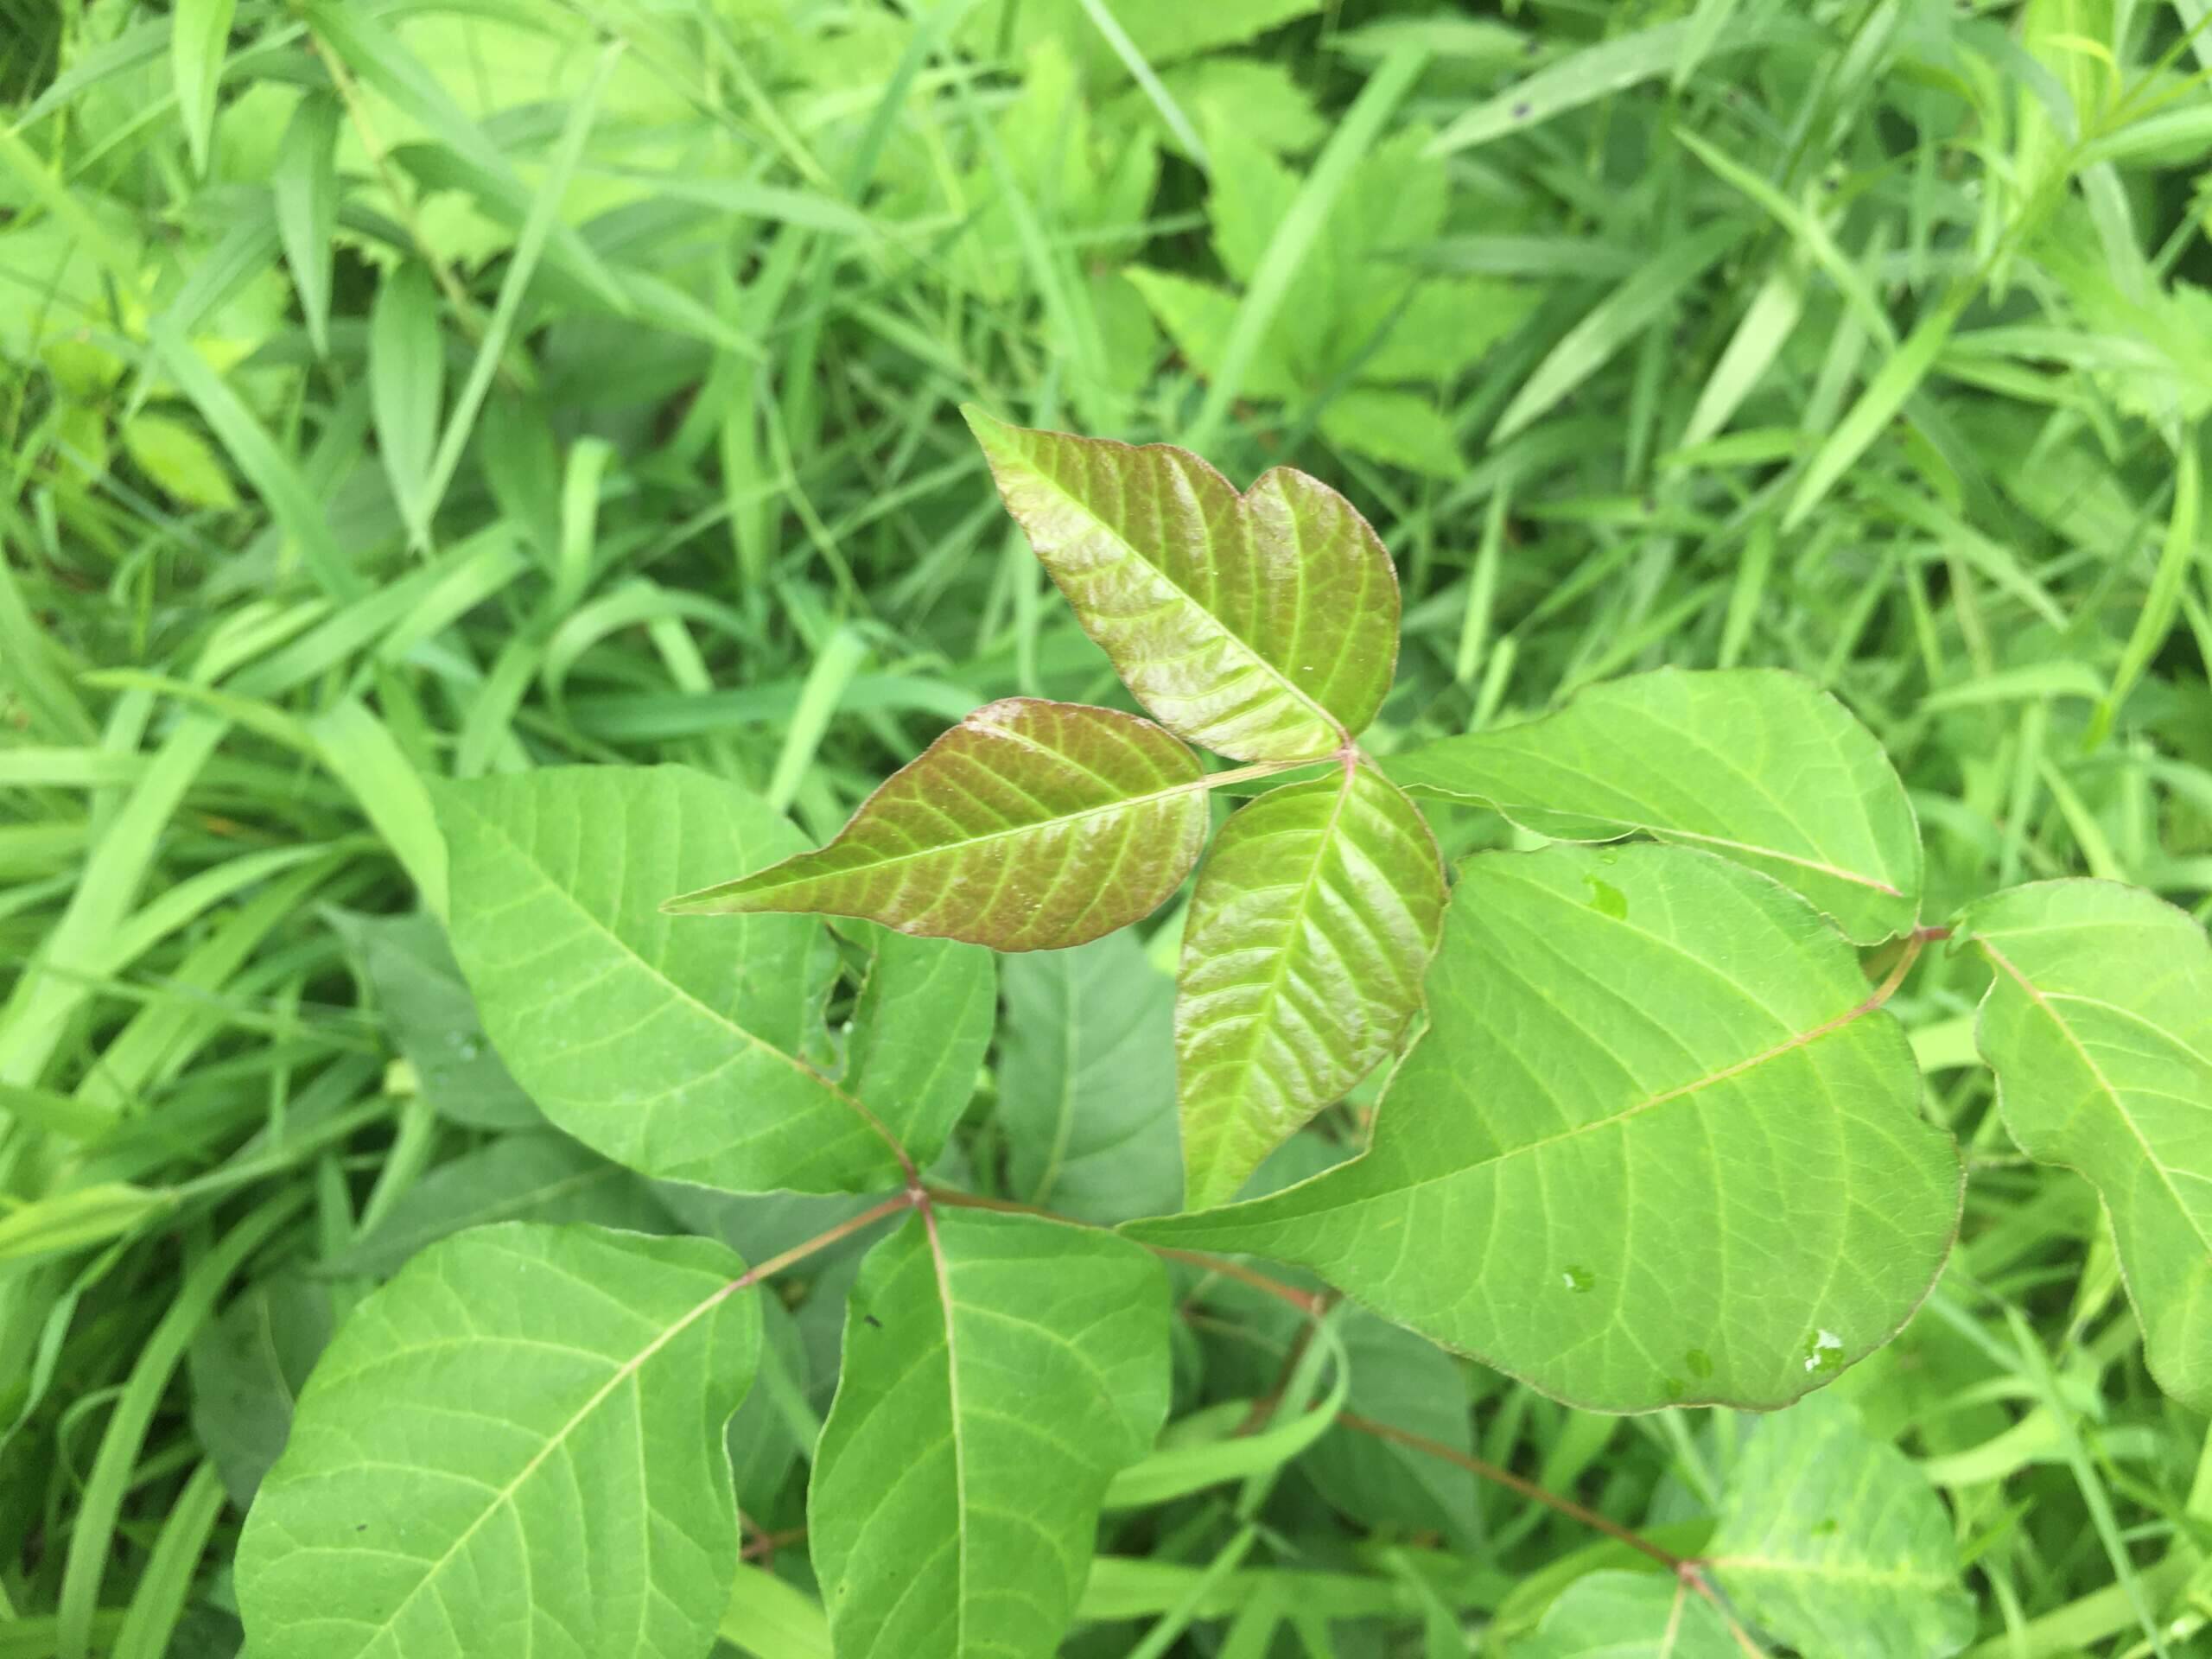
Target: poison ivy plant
(1648,1134)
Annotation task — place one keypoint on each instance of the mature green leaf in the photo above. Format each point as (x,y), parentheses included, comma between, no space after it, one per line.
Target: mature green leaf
(540,1176)
(1028,826)
(2098,1026)
(1629,1615)
(432,1017)
(1758,764)
(1832,1542)
(1302,958)
(427,1505)
(1264,625)
(179,460)
(247,1369)
(1087,1081)
(680,1050)
(999,1370)
(1661,1076)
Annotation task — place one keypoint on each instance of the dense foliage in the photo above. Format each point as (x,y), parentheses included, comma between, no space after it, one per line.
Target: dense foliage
(428,423)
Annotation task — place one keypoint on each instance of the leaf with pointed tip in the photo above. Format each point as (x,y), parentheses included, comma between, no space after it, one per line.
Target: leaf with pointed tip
(1087,1081)
(1264,625)
(2098,1026)
(999,1371)
(1833,1541)
(1028,826)
(680,1050)
(1312,919)
(1657,1144)
(1756,764)
(426,1506)
(1629,1615)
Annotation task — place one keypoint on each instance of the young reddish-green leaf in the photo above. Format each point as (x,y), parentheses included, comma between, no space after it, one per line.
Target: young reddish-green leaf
(1659,1142)
(1264,625)
(999,1371)
(514,1447)
(1756,764)
(2099,1025)
(1302,959)
(1028,826)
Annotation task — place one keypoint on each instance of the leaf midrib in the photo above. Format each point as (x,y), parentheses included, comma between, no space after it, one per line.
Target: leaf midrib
(743,888)
(1324,841)
(1671,832)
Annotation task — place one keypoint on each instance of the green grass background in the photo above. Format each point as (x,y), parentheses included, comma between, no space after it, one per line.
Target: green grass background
(416,389)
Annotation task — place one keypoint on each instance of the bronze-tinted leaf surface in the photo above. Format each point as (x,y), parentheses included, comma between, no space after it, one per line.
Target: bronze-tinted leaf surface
(1028,826)
(1302,961)
(1264,625)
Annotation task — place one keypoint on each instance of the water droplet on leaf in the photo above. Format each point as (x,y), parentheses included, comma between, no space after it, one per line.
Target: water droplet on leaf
(1823,1351)
(1606,898)
(1578,1279)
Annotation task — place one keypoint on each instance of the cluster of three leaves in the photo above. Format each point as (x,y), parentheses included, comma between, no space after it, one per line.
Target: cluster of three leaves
(1264,627)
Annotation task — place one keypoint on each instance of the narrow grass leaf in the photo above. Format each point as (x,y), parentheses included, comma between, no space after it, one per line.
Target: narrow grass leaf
(1357,133)
(1615,320)
(199,39)
(1705,1143)
(1897,379)
(425,1506)
(305,183)
(283,488)
(407,373)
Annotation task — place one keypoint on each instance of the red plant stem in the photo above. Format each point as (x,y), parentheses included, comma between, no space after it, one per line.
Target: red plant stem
(1314,1306)
(1511,1482)
(776,1264)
